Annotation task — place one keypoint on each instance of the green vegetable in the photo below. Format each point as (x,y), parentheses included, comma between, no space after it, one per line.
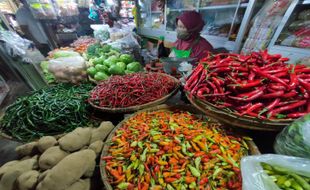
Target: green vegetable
(91,71)
(99,60)
(64,53)
(134,66)
(49,77)
(113,59)
(121,65)
(116,70)
(123,185)
(129,72)
(126,58)
(55,110)
(100,76)
(194,171)
(102,68)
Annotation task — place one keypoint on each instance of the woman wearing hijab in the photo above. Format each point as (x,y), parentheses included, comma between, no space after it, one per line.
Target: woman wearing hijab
(189,42)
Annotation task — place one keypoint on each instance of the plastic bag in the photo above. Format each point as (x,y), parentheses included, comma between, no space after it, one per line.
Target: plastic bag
(294,140)
(127,42)
(255,178)
(304,15)
(68,69)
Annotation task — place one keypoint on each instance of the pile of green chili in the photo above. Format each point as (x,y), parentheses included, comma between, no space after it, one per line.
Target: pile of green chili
(49,111)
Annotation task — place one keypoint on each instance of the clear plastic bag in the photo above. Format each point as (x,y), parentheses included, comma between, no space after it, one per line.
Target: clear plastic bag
(294,140)
(255,178)
(68,69)
(127,42)
(14,44)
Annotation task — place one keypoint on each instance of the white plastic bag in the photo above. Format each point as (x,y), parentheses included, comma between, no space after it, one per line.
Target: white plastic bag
(254,177)
(68,69)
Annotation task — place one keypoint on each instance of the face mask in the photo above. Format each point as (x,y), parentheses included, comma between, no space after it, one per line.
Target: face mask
(182,34)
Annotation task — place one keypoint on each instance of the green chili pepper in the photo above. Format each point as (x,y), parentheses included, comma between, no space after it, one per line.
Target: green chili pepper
(197,162)
(194,171)
(143,156)
(123,185)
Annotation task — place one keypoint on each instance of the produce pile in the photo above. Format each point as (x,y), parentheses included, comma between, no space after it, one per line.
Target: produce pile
(64,65)
(294,140)
(132,90)
(259,85)
(173,150)
(54,110)
(81,44)
(286,179)
(105,61)
(56,163)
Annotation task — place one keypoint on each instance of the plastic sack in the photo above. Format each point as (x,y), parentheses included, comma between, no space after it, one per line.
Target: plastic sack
(127,42)
(294,140)
(68,69)
(304,15)
(255,178)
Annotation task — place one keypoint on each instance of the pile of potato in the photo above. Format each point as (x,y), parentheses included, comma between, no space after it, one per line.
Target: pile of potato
(65,163)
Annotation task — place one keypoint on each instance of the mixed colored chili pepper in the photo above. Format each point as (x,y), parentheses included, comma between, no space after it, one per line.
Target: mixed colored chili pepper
(173,150)
(131,90)
(258,85)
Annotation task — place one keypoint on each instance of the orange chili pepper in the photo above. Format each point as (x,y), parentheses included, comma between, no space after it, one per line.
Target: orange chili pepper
(189,179)
(170,179)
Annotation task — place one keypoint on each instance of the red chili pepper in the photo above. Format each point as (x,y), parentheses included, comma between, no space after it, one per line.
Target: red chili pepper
(273,95)
(253,97)
(304,84)
(296,115)
(282,74)
(248,94)
(281,69)
(251,76)
(215,91)
(303,70)
(245,106)
(252,108)
(294,81)
(221,69)
(202,91)
(287,107)
(277,87)
(203,181)
(248,85)
(271,77)
(290,94)
(106,158)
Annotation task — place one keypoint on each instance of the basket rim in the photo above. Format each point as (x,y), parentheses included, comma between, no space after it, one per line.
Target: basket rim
(253,149)
(142,106)
(206,107)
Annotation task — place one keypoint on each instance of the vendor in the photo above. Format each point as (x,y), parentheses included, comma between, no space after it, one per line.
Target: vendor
(189,42)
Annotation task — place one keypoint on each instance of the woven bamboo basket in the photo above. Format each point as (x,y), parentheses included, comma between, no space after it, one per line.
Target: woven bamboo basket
(143,106)
(253,150)
(232,119)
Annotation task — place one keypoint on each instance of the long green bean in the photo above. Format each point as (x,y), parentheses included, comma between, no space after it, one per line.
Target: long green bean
(49,111)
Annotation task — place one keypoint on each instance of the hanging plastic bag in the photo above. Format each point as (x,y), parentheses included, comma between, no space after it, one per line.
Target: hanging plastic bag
(254,177)
(294,140)
(68,69)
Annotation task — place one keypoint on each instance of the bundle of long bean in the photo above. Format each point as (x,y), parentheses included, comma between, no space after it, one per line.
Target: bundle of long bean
(173,150)
(131,90)
(55,110)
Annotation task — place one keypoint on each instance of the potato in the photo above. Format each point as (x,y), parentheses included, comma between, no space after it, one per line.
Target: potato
(23,166)
(96,146)
(28,180)
(42,175)
(80,185)
(51,157)
(7,181)
(102,131)
(69,170)
(75,140)
(12,171)
(46,142)
(27,149)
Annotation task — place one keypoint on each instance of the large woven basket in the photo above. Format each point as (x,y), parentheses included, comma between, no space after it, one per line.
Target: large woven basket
(253,150)
(143,106)
(232,119)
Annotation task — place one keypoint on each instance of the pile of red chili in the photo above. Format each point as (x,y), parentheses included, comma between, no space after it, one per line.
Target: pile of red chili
(173,150)
(131,90)
(258,85)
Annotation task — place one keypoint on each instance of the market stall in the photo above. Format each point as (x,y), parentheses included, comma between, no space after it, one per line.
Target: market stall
(114,113)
